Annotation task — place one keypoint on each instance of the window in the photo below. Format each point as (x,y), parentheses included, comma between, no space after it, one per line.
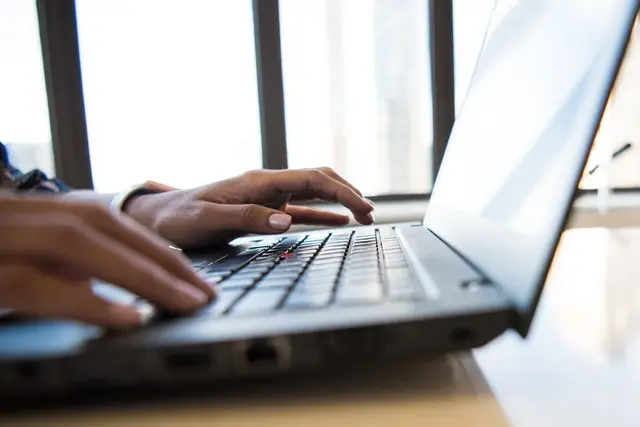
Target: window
(620,125)
(24,119)
(170,90)
(471,20)
(357,90)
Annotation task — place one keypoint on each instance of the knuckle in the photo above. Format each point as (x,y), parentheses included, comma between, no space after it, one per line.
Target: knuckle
(95,211)
(249,213)
(65,229)
(318,175)
(328,170)
(197,211)
(253,174)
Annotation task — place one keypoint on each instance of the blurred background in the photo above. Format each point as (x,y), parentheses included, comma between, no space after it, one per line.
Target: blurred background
(170,90)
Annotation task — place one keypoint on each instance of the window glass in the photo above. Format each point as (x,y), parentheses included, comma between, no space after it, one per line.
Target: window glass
(24,116)
(170,90)
(620,126)
(357,90)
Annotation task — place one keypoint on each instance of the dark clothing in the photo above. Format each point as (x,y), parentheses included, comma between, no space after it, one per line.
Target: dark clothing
(32,181)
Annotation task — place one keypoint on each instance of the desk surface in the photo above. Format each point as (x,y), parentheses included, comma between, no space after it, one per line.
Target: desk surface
(580,366)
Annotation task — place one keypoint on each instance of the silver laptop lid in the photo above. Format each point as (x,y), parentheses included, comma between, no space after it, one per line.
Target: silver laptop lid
(521,139)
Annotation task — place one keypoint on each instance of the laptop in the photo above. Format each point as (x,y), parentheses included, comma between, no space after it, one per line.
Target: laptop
(471,270)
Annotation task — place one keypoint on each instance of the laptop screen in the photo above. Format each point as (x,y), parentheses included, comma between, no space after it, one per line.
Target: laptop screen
(521,139)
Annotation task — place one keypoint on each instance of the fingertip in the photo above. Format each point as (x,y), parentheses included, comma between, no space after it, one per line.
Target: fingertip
(366,219)
(367,206)
(344,220)
(209,288)
(124,316)
(190,297)
(280,221)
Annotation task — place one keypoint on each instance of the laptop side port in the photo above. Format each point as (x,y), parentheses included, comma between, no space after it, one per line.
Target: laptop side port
(259,355)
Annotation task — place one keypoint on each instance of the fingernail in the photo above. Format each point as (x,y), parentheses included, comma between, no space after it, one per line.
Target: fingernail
(211,292)
(370,202)
(145,313)
(370,216)
(280,221)
(128,315)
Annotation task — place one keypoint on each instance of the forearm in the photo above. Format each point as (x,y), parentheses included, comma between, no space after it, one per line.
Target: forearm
(138,207)
(90,196)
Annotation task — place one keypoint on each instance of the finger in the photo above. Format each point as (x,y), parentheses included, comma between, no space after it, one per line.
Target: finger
(333,174)
(321,185)
(246,218)
(140,239)
(67,240)
(32,292)
(123,229)
(307,215)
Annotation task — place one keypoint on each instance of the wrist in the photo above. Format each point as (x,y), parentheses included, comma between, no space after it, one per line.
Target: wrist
(134,207)
(138,201)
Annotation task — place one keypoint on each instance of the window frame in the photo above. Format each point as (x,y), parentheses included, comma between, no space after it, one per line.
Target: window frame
(63,77)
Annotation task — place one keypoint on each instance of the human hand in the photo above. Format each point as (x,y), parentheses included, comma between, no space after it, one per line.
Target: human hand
(254,202)
(51,248)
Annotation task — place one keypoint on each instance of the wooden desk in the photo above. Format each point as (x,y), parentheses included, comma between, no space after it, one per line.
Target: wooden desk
(579,367)
(448,391)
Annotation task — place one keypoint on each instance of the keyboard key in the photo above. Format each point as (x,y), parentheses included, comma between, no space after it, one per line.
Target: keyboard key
(231,263)
(212,271)
(360,275)
(363,278)
(396,264)
(405,293)
(322,284)
(360,268)
(254,269)
(263,262)
(323,275)
(274,283)
(358,294)
(305,252)
(287,268)
(213,279)
(399,276)
(199,264)
(333,249)
(246,275)
(326,261)
(299,300)
(259,302)
(236,284)
(315,279)
(222,302)
(392,252)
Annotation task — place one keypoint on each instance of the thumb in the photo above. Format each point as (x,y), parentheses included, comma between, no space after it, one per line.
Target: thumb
(248,218)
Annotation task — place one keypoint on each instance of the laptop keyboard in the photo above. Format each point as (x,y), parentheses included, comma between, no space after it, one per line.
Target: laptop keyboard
(315,271)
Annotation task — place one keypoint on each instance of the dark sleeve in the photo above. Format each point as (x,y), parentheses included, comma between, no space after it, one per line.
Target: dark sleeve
(32,181)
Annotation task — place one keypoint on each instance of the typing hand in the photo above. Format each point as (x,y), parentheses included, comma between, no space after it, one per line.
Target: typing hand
(50,249)
(255,202)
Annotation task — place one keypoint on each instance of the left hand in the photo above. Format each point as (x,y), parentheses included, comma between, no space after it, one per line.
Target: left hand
(254,202)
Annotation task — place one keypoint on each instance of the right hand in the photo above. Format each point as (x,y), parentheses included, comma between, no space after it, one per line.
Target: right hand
(52,248)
